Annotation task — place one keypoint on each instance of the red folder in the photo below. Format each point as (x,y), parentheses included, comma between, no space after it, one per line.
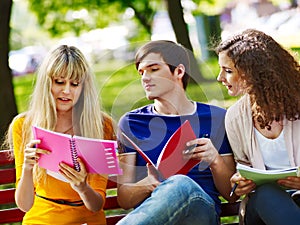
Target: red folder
(171,160)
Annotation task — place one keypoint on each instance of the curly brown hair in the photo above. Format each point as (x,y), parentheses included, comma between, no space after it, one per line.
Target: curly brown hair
(271,75)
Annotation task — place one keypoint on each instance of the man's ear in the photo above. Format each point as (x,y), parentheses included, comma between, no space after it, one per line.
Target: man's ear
(180,71)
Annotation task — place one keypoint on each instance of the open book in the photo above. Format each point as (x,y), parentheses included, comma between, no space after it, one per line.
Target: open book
(99,156)
(170,160)
(266,176)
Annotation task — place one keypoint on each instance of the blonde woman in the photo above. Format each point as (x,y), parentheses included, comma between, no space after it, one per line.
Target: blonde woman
(64,100)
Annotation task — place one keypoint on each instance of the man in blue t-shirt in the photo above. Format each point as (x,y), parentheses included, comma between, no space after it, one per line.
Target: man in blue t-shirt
(179,199)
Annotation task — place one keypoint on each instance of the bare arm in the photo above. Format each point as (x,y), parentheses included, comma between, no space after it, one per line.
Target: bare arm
(25,190)
(130,193)
(91,199)
(222,167)
(24,195)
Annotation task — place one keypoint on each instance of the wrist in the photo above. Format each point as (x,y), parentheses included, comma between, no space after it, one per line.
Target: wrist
(27,168)
(83,190)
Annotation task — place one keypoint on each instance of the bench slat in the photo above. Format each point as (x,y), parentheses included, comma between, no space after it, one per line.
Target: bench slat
(7,176)
(111,203)
(5,158)
(112,220)
(11,215)
(230,209)
(7,196)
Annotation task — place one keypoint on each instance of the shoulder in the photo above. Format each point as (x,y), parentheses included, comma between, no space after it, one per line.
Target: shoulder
(214,110)
(147,109)
(17,122)
(139,112)
(239,109)
(107,119)
(108,126)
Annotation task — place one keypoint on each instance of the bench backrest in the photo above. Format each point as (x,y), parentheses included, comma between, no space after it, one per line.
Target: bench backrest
(9,213)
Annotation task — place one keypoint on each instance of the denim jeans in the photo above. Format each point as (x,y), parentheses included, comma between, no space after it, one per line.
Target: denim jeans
(177,200)
(271,205)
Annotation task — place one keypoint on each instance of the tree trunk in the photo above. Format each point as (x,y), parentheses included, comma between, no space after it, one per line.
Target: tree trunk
(175,11)
(8,108)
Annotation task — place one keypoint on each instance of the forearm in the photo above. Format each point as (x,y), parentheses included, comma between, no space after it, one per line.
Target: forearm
(132,194)
(91,199)
(24,195)
(222,171)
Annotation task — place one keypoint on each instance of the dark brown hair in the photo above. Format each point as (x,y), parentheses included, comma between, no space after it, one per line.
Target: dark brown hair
(173,54)
(270,72)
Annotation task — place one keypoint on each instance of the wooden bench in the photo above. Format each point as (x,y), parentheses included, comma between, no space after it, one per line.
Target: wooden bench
(9,213)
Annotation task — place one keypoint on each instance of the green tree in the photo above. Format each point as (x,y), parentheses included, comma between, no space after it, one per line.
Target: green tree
(8,108)
(180,28)
(53,16)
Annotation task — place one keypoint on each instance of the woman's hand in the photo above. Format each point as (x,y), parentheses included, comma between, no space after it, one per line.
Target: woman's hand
(76,179)
(290,182)
(244,186)
(32,154)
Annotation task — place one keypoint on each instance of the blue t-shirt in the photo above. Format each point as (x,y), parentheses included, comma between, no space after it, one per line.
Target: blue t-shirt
(150,131)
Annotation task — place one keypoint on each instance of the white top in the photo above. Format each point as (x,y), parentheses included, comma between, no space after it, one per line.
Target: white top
(274,151)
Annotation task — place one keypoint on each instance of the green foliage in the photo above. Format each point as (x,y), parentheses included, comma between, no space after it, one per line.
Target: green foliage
(59,17)
(210,7)
(23,87)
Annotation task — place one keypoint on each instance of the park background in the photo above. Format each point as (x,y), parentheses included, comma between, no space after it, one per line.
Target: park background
(108,32)
(109,37)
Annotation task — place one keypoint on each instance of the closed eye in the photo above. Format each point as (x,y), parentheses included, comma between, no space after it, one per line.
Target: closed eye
(228,70)
(75,84)
(57,81)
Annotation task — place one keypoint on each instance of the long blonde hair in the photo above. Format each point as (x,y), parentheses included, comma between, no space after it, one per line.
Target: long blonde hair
(66,62)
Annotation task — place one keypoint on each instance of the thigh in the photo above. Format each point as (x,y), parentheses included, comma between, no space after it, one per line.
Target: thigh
(178,200)
(270,204)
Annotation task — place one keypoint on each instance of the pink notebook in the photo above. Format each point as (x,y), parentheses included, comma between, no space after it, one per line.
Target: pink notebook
(170,160)
(99,156)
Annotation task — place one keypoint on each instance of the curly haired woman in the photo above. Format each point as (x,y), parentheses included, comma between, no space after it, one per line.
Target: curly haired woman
(64,100)
(263,126)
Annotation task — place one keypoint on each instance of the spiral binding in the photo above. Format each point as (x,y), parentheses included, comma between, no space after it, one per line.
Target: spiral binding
(74,155)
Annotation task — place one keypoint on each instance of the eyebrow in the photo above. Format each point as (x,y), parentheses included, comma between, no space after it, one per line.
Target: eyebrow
(151,64)
(226,67)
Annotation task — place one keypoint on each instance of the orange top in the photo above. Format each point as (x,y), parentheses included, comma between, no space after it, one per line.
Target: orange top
(47,212)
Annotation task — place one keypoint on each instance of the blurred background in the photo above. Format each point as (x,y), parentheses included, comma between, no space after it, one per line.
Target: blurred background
(38,25)
(108,32)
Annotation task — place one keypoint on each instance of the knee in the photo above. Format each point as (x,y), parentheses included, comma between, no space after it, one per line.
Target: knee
(183,182)
(185,189)
(267,191)
(186,186)
(179,179)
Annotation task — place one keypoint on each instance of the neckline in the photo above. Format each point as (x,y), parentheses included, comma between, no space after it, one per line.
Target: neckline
(269,139)
(173,115)
(65,132)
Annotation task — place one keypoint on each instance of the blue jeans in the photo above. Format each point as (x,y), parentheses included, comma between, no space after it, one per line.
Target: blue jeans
(177,200)
(271,205)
